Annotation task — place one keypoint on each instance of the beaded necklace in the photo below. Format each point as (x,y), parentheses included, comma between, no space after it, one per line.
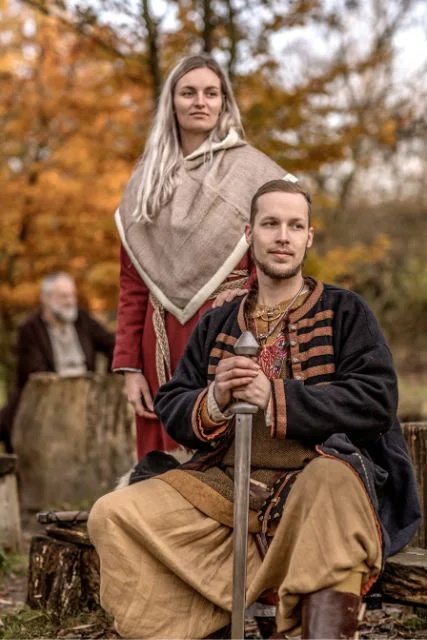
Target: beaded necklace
(262,337)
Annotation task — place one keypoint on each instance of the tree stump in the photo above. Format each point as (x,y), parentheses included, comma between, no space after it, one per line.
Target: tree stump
(74,437)
(405,577)
(63,576)
(10,523)
(416,439)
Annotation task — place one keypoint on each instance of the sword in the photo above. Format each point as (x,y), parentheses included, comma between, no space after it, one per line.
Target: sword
(246,345)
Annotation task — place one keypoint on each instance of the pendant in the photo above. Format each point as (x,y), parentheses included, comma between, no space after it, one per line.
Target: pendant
(262,336)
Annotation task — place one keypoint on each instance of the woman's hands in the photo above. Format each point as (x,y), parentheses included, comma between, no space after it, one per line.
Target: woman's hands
(138,394)
(241,378)
(227,296)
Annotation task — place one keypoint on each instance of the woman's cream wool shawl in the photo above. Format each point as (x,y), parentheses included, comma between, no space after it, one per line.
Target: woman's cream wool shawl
(198,237)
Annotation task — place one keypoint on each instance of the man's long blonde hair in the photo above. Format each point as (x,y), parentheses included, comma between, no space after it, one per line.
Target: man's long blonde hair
(162,154)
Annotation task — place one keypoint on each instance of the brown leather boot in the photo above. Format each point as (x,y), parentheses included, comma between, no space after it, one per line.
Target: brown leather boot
(224,633)
(329,614)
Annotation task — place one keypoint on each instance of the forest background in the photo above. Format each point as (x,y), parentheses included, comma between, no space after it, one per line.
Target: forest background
(333,90)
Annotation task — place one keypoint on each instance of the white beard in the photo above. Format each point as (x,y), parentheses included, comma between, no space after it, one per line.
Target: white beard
(65,314)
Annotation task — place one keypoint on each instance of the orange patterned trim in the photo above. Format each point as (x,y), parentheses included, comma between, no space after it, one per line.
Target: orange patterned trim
(321,315)
(241,315)
(195,422)
(320,370)
(272,407)
(217,352)
(314,352)
(279,420)
(226,339)
(205,428)
(317,331)
(312,299)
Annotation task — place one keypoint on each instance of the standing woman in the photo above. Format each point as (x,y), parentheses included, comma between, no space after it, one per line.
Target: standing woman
(181,223)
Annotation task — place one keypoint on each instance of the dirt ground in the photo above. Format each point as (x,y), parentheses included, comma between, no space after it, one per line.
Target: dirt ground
(18,622)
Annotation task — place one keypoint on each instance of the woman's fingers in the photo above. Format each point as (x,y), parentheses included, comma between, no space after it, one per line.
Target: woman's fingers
(145,392)
(227,296)
(138,394)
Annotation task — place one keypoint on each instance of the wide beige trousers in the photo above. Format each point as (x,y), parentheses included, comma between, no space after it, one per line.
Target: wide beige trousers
(166,568)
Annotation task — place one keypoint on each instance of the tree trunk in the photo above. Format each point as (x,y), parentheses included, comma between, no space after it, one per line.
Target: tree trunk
(74,437)
(416,439)
(153,49)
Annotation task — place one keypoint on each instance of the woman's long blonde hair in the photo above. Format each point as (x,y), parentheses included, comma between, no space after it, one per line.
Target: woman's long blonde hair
(162,154)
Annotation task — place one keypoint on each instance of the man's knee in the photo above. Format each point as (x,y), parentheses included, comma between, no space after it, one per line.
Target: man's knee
(103,509)
(327,475)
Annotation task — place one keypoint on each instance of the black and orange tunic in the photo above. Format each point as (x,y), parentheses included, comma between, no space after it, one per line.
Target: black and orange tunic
(338,398)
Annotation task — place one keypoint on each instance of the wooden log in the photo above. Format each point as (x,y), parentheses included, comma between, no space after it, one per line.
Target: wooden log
(54,581)
(63,576)
(10,521)
(405,577)
(74,437)
(416,439)
(90,577)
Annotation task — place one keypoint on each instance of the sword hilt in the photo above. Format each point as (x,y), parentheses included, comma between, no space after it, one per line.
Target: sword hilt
(247,346)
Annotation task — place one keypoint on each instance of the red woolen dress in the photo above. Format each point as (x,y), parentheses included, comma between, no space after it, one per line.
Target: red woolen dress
(136,344)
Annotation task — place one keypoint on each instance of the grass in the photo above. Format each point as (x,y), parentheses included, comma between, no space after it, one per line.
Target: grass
(28,623)
(12,563)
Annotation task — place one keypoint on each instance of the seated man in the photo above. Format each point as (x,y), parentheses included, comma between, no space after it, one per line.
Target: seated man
(59,338)
(333,488)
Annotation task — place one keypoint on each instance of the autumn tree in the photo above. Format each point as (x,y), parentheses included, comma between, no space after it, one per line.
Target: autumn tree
(71,123)
(78,87)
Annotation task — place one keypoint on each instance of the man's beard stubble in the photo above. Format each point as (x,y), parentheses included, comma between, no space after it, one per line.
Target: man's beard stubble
(279,274)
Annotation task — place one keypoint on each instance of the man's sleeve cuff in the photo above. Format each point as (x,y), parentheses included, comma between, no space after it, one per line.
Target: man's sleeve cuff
(204,426)
(214,412)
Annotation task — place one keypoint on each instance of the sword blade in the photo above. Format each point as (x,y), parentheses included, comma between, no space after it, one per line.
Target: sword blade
(242,470)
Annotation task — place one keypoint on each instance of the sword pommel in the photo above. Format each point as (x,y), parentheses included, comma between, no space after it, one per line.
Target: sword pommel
(246,345)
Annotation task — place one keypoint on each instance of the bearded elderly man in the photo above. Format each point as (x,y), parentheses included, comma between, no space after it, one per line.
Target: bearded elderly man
(332,487)
(60,338)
